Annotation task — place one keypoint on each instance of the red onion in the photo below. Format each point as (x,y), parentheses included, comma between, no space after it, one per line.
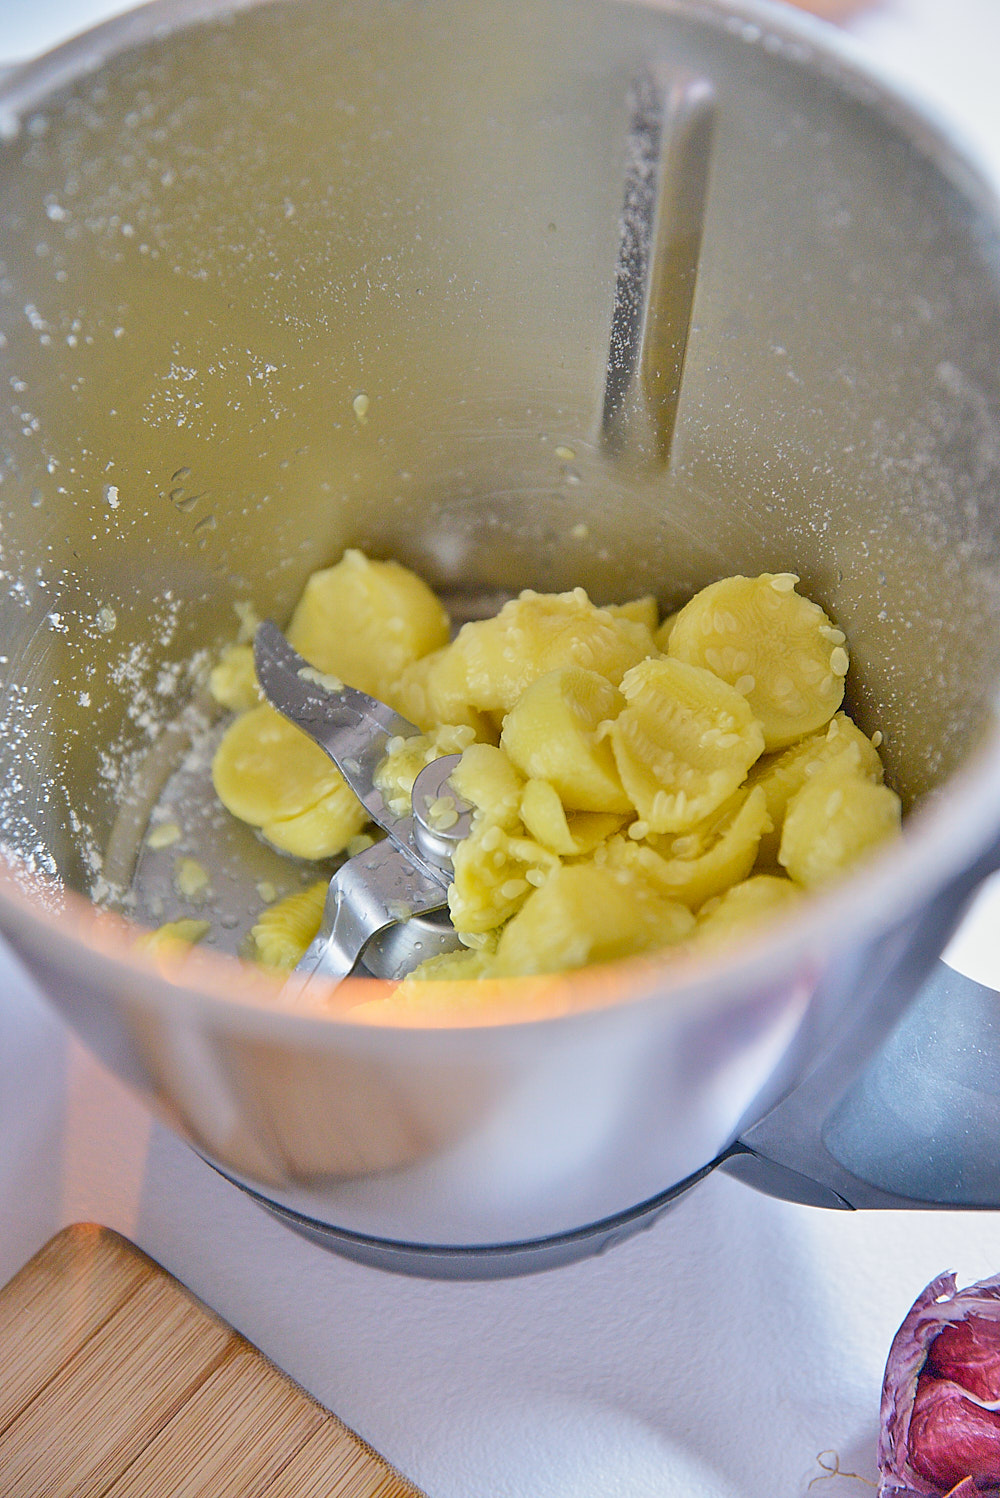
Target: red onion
(941,1396)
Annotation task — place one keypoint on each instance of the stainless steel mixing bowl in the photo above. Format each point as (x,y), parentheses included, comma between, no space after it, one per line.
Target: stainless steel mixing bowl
(222,225)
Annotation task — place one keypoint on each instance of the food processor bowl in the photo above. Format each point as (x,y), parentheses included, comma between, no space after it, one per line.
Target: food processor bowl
(285,277)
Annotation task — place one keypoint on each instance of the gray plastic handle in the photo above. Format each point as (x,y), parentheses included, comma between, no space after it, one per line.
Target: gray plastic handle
(915,1123)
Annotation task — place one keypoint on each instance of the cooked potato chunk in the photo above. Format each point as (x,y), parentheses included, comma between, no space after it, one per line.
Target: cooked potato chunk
(451,967)
(743,907)
(553,733)
(485,777)
(365,621)
(700,864)
(585,914)
(321,830)
(774,646)
(491,661)
(568,834)
(683,743)
(268,773)
(281,934)
(495,873)
(661,635)
(642,610)
(780,775)
(430,692)
(233,681)
(173,938)
(836,818)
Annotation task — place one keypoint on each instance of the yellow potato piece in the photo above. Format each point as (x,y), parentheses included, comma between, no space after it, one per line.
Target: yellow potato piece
(191,879)
(644,610)
(683,743)
(265,768)
(233,681)
(778,649)
(834,820)
(743,907)
(322,830)
(485,777)
(495,873)
(268,773)
(781,775)
(589,829)
(492,660)
(449,967)
(661,636)
(430,693)
(163,835)
(281,934)
(699,865)
(173,938)
(587,914)
(553,733)
(568,834)
(365,621)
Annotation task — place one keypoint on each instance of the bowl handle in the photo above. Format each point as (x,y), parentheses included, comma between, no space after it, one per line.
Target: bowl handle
(916,1123)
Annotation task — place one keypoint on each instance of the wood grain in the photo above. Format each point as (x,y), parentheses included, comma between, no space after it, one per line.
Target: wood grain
(240,1427)
(69,1289)
(327,1465)
(115,1382)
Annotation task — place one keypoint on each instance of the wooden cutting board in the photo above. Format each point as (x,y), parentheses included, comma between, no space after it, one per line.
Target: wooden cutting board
(115,1382)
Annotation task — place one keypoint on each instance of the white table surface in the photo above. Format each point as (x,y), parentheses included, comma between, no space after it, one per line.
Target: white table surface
(714,1356)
